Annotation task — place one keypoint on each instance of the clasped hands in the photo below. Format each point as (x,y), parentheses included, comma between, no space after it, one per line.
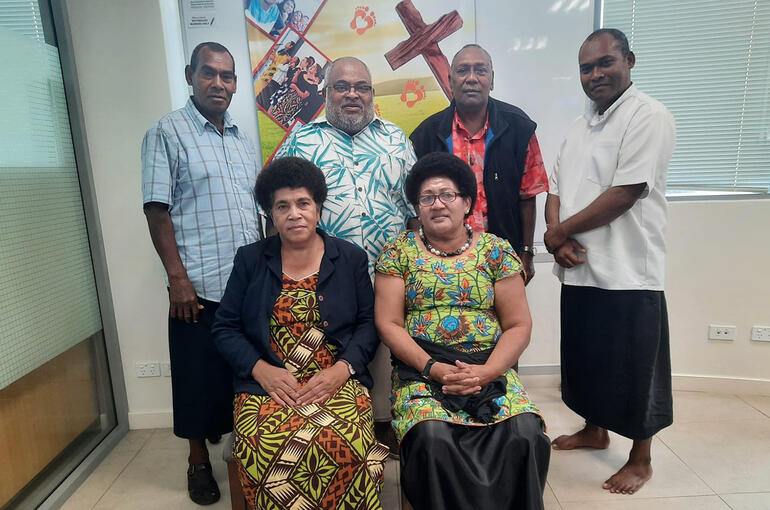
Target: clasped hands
(566,251)
(284,388)
(461,378)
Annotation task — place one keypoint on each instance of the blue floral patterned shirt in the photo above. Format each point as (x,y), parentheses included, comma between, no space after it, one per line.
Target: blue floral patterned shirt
(365,174)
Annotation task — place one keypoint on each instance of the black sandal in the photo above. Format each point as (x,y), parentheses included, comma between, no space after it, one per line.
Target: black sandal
(201,485)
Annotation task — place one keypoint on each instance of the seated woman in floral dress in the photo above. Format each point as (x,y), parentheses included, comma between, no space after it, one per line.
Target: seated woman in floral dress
(296,325)
(450,304)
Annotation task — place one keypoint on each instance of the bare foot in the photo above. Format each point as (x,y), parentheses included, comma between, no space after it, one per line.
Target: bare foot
(590,437)
(630,478)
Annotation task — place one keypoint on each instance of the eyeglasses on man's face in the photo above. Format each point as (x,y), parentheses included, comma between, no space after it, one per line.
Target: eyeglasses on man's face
(445,197)
(360,88)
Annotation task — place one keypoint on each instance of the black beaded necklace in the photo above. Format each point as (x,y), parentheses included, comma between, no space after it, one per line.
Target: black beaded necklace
(447,253)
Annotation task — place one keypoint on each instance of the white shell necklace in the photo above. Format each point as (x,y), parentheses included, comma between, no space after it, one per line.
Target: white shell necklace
(440,253)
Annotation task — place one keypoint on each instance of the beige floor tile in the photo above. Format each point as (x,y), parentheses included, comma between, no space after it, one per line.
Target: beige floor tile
(549,499)
(544,395)
(691,406)
(155,479)
(755,501)
(164,439)
(624,503)
(758,402)
(100,480)
(134,440)
(559,419)
(391,490)
(578,475)
(730,456)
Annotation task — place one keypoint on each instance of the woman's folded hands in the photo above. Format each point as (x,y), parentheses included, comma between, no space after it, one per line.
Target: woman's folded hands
(461,378)
(283,387)
(278,382)
(323,384)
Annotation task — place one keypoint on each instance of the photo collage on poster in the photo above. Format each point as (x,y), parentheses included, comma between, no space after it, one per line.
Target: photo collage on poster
(288,82)
(292,44)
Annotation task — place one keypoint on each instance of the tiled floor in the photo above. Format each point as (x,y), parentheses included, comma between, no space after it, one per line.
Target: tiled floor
(716,456)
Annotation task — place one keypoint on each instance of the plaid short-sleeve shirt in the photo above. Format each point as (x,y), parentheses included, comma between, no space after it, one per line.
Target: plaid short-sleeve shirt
(207,180)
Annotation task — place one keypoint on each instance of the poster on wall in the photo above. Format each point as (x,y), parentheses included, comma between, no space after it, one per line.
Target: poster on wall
(406,44)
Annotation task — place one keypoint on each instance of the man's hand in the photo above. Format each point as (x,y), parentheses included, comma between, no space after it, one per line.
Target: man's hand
(277,382)
(183,302)
(555,236)
(527,261)
(323,384)
(568,254)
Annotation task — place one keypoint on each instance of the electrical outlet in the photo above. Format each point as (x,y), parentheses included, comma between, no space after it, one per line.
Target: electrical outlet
(721,332)
(165,369)
(147,369)
(760,333)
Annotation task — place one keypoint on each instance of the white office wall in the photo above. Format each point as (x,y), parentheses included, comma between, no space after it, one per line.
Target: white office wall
(121,67)
(718,250)
(718,272)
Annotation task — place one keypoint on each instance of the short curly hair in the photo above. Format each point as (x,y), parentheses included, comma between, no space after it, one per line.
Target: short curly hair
(293,173)
(441,164)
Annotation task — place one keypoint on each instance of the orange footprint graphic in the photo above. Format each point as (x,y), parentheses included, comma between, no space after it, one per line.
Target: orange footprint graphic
(414,89)
(363,20)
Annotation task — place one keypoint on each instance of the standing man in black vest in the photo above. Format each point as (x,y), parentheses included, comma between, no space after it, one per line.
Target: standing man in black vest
(498,142)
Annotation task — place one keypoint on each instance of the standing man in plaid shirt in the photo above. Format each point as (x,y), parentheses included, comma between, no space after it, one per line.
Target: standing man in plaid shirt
(198,174)
(498,142)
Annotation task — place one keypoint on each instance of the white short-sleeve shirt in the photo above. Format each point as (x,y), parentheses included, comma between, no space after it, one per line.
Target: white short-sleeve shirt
(630,143)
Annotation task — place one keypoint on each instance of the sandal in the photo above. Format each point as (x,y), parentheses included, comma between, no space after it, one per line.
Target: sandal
(201,485)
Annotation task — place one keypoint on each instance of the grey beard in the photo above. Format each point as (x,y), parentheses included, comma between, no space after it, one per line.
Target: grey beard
(351,126)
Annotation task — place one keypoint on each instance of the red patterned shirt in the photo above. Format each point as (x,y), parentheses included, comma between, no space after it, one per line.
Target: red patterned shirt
(471,149)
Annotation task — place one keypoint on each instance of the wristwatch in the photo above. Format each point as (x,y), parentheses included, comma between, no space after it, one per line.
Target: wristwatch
(426,371)
(530,249)
(350,367)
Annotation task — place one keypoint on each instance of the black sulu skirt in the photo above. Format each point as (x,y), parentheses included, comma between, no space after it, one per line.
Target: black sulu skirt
(615,360)
(459,467)
(201,380)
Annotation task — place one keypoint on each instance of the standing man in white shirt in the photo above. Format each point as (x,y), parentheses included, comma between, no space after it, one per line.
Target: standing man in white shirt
(606,218)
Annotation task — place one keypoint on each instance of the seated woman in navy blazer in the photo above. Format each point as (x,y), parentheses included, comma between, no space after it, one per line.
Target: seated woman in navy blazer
(296,324)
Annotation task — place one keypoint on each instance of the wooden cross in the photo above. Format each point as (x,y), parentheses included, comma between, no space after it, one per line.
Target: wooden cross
(423,40)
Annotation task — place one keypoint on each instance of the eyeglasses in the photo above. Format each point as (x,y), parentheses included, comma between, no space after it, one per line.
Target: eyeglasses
(465,70)
(360,88)
(444,196)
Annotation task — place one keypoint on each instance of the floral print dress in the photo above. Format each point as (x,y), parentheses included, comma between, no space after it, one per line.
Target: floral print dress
(450,301)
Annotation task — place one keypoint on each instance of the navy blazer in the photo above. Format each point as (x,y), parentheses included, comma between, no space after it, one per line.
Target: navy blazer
(241,329)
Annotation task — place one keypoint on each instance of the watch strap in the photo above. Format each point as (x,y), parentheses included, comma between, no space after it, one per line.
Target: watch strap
(428,366)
